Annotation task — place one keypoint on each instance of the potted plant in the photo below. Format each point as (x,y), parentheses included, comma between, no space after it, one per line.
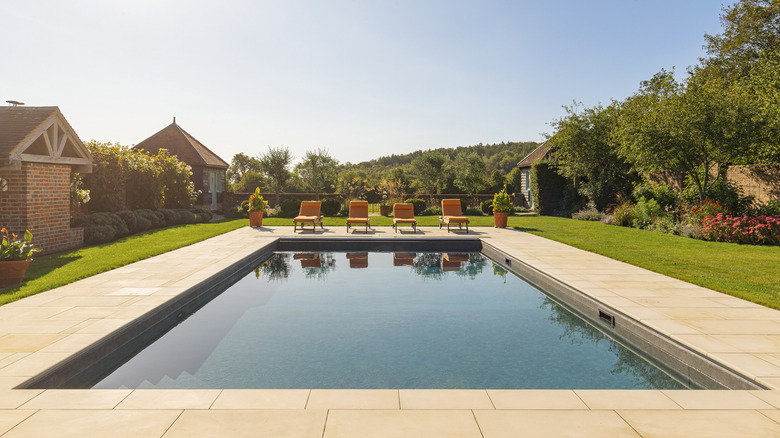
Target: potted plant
(384,209)
(256,207)
(502,206)
(15,257)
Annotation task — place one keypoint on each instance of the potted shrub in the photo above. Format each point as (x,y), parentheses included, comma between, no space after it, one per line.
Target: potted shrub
(15,257)
(384,209)
(256,207)
(502,206)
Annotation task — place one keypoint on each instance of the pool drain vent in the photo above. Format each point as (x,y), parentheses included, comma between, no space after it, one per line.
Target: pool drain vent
(606,317)
(508,263)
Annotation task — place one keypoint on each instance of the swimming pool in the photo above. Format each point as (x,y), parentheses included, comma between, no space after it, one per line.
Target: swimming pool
(321,319)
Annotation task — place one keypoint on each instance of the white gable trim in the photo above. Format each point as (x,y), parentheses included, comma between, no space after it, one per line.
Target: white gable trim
(56,132)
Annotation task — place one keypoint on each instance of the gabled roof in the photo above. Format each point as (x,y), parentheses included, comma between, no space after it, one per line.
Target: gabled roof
(180,143)
(40,134)
(537,154)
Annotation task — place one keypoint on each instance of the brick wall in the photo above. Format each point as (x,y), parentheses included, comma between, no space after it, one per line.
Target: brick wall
(38,199)
(760,181)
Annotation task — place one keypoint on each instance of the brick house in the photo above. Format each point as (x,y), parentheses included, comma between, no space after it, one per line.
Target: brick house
(38,151)
(208,170)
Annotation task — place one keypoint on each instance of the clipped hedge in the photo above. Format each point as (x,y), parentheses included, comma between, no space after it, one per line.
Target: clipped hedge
(290,208)
(330,207)
(104,227)
(419,205)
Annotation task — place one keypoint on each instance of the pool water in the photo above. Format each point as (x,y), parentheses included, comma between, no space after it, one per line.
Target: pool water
(385,320)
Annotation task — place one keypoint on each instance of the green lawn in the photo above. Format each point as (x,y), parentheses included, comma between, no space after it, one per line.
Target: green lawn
(749,272)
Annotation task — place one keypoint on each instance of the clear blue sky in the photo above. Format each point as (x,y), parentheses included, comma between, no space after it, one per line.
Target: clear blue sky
(359,78)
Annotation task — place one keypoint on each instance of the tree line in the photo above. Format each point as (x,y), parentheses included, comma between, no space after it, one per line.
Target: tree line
(470,169)
(724,111)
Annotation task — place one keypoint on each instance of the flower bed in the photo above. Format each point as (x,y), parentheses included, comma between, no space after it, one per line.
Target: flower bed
(759,230)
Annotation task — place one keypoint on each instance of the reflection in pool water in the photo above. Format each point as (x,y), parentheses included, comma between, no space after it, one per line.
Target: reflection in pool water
(384,320)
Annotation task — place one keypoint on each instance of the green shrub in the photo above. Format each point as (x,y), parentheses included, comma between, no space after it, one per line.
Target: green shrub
(130,219)
(588,214)
(203,215)
(155,218)
(771,208)
(433,211)
(344,212)
(419,205)
(662,193)
(473,211)
(170,216)
(647,211)
(101,227)
(236,213)
(624,214)
(330,207)
(487,206)
(290,208)
(186,216)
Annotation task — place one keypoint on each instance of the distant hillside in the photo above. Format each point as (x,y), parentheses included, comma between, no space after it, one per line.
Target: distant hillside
(501,156)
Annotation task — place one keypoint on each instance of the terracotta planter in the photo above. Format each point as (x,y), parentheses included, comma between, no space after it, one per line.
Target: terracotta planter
(384,210)
(500,219)
(255,218)
(12,272)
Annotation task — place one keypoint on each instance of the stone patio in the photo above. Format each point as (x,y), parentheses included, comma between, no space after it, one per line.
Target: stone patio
(38,332)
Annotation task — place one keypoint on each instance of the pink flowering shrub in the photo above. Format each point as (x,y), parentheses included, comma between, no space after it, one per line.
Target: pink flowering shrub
(759,230)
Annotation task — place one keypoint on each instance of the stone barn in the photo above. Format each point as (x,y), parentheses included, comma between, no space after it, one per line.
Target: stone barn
(208,169)
(38,151)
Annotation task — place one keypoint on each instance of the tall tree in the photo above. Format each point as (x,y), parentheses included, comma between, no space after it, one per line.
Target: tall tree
(430,171)
(241,164)
(584,152)
(751,32)
(692,127)
(469,172)
(397,184)
(275,164)
(318,171)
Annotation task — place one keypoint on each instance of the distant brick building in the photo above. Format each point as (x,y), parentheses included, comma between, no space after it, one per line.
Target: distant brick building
(208,170)
(38,151)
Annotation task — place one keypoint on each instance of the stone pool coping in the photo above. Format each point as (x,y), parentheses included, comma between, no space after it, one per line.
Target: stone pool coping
(40,331)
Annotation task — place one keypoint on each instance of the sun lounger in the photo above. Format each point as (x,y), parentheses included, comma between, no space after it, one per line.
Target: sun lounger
(358,259)
(358,214)
(451,214)
(404,214)
(309,214)
(452,262)
(308,260)
(404,258)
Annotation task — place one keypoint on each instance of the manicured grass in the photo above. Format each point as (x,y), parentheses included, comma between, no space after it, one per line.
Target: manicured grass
(744,271)
(54,270)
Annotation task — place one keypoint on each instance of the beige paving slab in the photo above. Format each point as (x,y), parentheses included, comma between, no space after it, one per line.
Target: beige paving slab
(701,423)
(72,343)
(535,399)
(444,399)
(263,399)
(748,364)
(716,399)
(401,424)
(94,423)
(169,399)
(12,399)
(27,342)
(77,399)
(737,327)
(626,399)
(772,396)
(238,424)
(32,364)
(11,418)
(753,343)
(323,399)
(552,424)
